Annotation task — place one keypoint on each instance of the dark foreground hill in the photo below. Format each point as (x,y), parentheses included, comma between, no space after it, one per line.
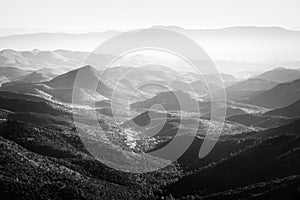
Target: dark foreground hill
(267,168)
(19,105)
(39,162)
(42,157)
(32,174)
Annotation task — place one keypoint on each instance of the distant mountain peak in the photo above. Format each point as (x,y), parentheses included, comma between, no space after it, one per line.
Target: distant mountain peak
(279,68)
(36,51)
(8,51)
(87,68)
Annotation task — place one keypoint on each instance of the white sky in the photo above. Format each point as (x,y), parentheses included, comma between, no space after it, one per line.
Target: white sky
(95,15)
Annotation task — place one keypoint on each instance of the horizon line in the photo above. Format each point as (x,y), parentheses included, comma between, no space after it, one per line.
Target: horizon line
(31,31)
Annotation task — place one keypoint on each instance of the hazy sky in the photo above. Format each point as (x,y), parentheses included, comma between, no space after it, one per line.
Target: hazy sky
(95,15)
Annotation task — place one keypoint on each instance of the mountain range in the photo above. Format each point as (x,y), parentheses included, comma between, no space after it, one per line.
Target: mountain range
(62,87)
(50,120)
(253,49)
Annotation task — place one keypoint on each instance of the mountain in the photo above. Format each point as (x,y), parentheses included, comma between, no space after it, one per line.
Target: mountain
(156,74)
(33,77)
(177,100)
(182,101)
(205,88)
(230,111)
(181,85)
(215,78)
(23,177)
(271,42)
(35,59)
(247,87)
(26,103)
(39,142)
(27,97)
(50,72)
(211,78)
(59,61)
(198,87)
(149,123)
(38,152)
(292,128)
(162,72)
(280,75)
(67,80)
(12,73)
(160,126)
(88,80)
(292,110)
(251,85)
(62,87)
(56,40)
(280,96)
(259,120)
(37,89)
